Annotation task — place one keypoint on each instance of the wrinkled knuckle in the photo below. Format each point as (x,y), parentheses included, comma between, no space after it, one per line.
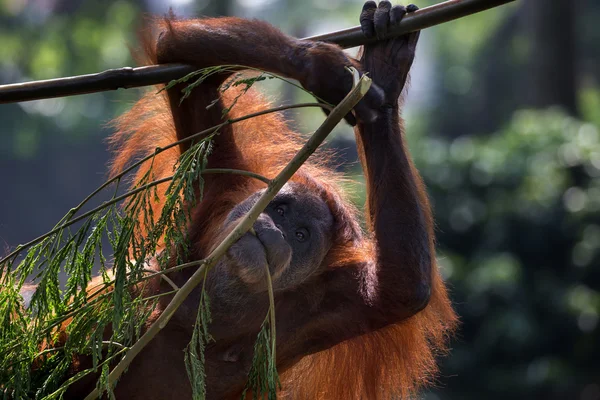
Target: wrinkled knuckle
(369,5)
(411,8)
(366,17)
(385,4)
(396,14)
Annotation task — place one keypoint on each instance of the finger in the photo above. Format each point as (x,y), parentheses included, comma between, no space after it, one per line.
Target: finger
(396,14)
(366,18)
(350,119)
(375,97)
(382,18)
(413,38)
(364,113)
(411,8)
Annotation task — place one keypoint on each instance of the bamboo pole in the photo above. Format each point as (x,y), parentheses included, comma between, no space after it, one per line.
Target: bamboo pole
(128,77)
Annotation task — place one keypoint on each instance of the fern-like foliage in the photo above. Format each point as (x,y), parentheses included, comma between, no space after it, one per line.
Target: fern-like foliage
(263,379)
(38,342)
(194,354)
(29,337)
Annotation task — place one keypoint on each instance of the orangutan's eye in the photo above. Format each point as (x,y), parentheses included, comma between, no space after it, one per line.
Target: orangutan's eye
(301,235)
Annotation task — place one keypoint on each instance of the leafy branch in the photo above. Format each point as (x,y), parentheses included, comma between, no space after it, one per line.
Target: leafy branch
(205,73)
(68,220)
(37,334)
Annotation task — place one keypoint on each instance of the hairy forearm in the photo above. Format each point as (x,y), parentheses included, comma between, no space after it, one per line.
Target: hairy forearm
(212,42)
(397,210)
(318,66)
(387,167)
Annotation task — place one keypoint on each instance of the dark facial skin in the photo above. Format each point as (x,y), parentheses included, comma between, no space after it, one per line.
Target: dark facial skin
(291,236)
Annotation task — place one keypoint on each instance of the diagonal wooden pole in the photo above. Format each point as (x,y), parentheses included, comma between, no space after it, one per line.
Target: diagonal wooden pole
(128,77)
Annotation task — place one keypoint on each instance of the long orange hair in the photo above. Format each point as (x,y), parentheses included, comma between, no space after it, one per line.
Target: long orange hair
(397,360)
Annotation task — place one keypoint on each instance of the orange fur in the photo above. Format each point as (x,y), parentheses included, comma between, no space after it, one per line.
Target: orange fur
(393,361)
(396,360)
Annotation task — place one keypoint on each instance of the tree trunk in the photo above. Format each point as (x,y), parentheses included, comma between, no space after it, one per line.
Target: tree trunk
(551,29)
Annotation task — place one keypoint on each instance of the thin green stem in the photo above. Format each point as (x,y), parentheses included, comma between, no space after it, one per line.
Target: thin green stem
(84,373)
(93,300)
(236,172)
(116,344)
(157,296)
(238,68)
(158,151)
(165,278)
(95,297)
(117,199)
(272,315)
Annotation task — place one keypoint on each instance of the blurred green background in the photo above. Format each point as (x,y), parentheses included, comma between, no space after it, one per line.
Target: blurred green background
(503,120)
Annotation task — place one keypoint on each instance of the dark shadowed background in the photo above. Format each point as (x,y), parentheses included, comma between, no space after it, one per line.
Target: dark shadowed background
(503,120)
